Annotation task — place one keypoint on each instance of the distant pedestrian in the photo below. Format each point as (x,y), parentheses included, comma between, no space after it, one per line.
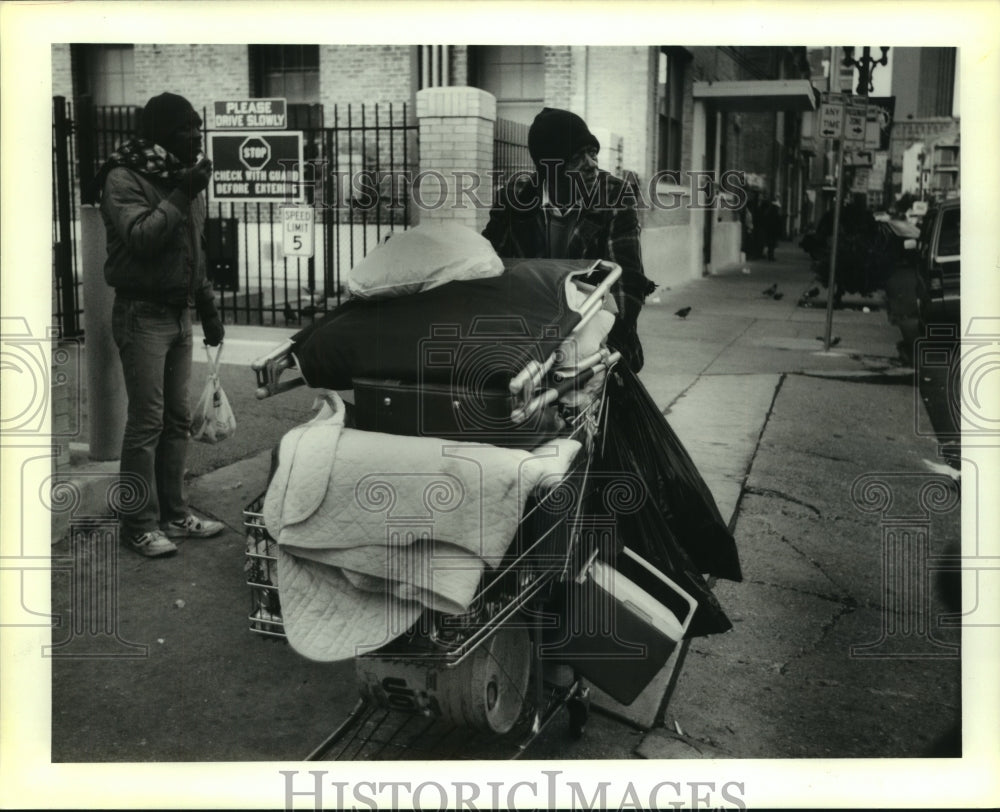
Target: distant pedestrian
(770,219)
(154,213)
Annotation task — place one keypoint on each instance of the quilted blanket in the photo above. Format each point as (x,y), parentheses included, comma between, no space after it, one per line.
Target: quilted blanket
(372,528)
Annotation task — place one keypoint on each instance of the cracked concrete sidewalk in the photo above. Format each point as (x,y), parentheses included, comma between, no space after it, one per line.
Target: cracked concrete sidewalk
(833,653)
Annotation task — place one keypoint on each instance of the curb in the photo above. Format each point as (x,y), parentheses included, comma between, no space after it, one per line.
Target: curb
(87,486)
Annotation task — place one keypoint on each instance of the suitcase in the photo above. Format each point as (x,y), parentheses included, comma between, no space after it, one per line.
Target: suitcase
(451,413)
(617,633)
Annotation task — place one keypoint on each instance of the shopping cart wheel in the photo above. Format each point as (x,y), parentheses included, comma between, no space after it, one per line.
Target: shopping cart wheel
(579,711)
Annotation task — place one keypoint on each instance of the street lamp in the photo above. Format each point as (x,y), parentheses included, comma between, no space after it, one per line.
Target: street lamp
(865,65)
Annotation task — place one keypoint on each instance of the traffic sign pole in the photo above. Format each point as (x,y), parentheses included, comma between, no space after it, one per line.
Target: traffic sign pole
(831,284)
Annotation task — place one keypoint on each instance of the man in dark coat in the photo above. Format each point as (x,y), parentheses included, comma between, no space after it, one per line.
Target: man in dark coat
(153,207)
(570,209)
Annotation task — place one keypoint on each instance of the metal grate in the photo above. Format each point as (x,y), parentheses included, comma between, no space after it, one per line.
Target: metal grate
(510,152)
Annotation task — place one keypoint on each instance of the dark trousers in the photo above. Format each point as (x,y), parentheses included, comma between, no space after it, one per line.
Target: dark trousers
(154,344)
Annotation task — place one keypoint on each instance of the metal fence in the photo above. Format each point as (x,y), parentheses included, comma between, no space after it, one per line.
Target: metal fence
(356,172)
(510,152)
(67,304)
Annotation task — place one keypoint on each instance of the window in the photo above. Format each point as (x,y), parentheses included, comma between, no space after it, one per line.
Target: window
(109,74)
(288,72)
(515,74)
(670,109)
(950,237)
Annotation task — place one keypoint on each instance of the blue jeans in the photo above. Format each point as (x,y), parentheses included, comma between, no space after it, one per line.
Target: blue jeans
(154,343)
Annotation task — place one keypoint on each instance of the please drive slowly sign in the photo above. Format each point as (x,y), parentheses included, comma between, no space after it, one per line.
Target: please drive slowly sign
(250,114)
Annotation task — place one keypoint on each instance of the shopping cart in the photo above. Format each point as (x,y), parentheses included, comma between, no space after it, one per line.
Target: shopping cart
(475,684)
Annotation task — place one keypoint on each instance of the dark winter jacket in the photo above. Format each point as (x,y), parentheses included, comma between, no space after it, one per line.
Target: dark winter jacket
(154,237)
(607,228)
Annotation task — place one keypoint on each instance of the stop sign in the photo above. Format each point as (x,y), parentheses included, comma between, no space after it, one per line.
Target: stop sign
(255,152)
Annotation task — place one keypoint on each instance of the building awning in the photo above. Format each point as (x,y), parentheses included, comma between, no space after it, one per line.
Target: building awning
(758,96)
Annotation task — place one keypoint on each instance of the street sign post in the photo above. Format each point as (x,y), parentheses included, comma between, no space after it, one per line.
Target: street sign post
(298,231)
(834,123)
(256,167)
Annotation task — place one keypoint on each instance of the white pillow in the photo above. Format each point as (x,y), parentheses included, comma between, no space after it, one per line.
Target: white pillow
(423,258)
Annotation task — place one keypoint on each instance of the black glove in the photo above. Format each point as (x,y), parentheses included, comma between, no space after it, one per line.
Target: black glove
(214,331)
(193,181)
(211,324)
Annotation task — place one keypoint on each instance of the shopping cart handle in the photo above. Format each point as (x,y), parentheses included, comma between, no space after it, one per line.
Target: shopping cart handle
(278,388)
(269,368)
(282,351)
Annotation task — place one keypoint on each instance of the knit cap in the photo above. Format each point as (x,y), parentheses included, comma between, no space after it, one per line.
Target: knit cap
(558,135)
(165,113)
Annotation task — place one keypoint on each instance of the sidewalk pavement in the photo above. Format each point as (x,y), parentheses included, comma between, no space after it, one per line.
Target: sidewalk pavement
(779,429)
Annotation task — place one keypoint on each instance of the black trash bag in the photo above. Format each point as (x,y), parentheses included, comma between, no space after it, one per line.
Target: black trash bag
(678,527)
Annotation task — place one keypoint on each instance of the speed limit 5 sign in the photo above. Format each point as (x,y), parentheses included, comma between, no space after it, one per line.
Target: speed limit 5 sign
(298,230)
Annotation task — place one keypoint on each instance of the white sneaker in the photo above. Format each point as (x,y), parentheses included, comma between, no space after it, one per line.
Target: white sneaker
(152,544)
(193,527)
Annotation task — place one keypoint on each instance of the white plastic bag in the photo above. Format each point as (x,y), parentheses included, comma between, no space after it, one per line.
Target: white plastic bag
(213,419)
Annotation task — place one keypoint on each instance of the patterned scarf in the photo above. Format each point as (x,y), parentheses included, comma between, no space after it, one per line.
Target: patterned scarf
(142,156)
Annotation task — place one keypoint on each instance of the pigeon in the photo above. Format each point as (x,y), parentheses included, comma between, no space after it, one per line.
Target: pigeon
(309,310)
(813,291)
(289,313)
(777,296)
(683,312)
(770,291)
(834,341)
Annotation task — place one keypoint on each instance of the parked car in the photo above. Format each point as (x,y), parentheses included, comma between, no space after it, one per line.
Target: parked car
(938,278)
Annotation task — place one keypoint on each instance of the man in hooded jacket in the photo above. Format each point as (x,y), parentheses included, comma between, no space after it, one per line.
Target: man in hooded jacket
(570,209)
(154,214)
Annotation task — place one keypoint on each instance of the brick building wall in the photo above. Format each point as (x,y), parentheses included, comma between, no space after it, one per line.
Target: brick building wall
(620,95)
(363,74)
(62,73)
(202,73)
(560,78)
(458,64)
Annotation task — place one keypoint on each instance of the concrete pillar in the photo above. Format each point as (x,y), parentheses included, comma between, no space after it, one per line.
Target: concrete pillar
(107,403)
(699,135)
(456,155)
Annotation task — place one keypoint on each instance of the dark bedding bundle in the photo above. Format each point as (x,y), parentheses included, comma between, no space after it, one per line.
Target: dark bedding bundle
(477,333)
